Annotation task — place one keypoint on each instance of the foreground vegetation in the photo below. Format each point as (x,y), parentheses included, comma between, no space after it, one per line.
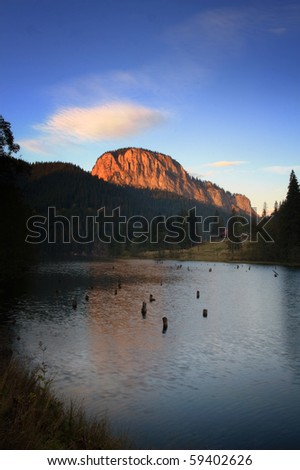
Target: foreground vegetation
(31,417)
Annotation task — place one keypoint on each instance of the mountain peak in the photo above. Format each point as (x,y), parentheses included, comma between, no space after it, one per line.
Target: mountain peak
(143,168)
(140,168)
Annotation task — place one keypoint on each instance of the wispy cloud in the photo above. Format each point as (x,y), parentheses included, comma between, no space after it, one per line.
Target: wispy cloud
(35,145)
(94,124)
(91,88)
(281,170)
(278,31)
(159,83)
(224,163)
(111,120)
(214,31)
(202,175)
(211,30)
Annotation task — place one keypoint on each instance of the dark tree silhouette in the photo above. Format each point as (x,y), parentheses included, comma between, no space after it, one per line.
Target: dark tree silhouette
(15,254)
(290,219)
(7,145)
(293,194)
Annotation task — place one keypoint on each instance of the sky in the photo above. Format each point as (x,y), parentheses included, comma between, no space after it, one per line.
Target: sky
(215,84)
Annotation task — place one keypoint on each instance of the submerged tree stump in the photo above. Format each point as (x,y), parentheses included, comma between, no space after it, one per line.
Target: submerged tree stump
(165,324)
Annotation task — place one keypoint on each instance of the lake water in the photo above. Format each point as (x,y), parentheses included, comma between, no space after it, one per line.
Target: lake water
(228,381)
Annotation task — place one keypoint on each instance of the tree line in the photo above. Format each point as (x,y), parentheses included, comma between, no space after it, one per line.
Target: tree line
(28,190)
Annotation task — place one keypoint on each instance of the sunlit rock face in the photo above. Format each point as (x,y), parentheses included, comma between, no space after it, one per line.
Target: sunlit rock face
(146,169)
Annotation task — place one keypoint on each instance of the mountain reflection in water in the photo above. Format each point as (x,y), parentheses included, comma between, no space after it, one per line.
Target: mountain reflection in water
(228,381)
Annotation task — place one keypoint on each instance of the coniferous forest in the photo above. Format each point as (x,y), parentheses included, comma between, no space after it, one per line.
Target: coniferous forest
(27,192)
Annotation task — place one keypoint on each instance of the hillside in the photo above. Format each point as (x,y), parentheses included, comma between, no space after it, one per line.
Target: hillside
(139,168)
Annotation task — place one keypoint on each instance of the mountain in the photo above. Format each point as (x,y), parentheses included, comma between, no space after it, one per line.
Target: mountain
(140,168)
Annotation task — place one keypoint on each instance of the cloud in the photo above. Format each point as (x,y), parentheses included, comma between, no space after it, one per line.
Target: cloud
(215,30)
(221,164)
(157,84)
(91,88)
(83,125)
(107,121)
(212,168)
(34,146)
(216,33)
(281,170)
(278,31)
(201,175)
(93,124)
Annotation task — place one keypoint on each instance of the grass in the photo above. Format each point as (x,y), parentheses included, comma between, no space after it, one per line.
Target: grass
(203,252)
(221,252)
(31,417)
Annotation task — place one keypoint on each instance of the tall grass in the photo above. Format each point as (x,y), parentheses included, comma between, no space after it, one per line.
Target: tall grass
(31,417)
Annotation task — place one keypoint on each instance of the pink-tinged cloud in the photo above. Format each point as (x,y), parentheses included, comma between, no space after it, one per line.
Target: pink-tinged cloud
(34,146)
(112,120)
(224,163)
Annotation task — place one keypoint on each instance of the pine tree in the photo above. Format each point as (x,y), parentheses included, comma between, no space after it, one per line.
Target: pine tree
(293,194)
(7,145)
(290,219)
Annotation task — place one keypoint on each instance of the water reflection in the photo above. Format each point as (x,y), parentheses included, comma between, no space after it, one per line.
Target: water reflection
(230,380)
(289,302)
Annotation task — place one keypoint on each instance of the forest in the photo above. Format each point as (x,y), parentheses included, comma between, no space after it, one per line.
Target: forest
(27,192)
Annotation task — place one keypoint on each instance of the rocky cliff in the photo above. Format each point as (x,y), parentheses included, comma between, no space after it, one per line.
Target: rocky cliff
(145,169)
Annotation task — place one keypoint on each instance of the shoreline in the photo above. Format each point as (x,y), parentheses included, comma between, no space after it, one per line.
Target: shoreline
(34,418)
(191,254)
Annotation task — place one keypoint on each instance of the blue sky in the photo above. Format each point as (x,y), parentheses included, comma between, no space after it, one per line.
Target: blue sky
(213,83)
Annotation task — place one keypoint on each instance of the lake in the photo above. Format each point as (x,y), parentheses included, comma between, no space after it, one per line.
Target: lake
(228,381)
